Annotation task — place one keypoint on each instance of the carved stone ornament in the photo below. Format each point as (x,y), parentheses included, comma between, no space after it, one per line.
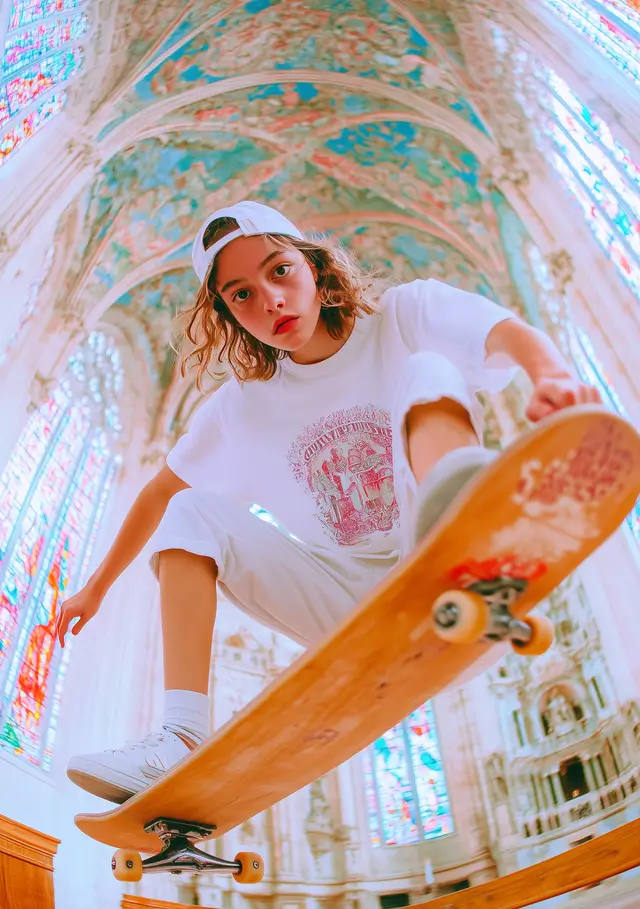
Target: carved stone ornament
(85,153)
(318,824)
(40,390)
(497,777)
(70,322)
(561,268)
(506,167)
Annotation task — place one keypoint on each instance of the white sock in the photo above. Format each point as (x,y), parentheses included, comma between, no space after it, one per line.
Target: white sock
(470,458)
(190,710)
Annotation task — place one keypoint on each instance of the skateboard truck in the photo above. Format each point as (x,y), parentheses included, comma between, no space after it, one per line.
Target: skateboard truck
(180,854)
(483,612)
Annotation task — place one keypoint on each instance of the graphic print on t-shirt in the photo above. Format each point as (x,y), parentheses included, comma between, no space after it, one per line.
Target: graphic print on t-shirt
(344,460)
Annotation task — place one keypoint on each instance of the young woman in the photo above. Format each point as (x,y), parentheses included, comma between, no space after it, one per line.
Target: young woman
(354,421)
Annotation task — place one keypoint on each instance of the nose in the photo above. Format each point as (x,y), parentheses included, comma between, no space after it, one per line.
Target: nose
(272,298)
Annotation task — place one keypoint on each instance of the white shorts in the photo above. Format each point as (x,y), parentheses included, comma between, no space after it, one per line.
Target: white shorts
(299,589)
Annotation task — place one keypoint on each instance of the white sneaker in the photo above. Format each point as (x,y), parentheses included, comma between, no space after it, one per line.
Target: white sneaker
(117,774)
(440,487)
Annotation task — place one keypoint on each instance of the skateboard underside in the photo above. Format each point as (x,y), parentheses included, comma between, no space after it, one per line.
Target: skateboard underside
(514,535)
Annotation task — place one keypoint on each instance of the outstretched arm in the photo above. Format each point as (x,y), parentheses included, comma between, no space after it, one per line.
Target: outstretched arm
(555,383)
(143,518)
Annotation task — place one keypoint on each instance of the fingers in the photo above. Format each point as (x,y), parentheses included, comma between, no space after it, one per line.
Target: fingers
(538,409)
(77,628)
(592,395)
(586,394)
(64,619)
(551,396)
(61,627)
(547,399)
(574,393)
(560,396)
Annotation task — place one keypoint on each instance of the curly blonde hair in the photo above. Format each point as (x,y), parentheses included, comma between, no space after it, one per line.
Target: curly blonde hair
(343,285)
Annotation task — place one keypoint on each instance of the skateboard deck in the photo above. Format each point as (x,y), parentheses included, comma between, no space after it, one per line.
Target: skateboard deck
(521,527)
(586,865)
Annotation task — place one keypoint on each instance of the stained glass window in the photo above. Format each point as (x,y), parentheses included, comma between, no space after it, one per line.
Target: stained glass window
(41,53)
(406,791)
(597,169)
(592,371)
(612,26)
(601,174)
(53,495)
(23,12)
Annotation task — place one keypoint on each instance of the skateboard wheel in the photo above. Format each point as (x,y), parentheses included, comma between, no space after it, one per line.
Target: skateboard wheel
(251,868)
(542,636)
(126,865)
(460,616)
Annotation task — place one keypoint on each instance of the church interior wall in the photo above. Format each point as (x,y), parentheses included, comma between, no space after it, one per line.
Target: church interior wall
(96,216)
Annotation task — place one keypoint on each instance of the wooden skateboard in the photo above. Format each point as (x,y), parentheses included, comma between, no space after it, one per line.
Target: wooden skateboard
(512,536)
(586,865)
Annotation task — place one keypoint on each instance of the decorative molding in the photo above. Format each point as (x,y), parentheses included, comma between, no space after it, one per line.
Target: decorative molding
(26,844)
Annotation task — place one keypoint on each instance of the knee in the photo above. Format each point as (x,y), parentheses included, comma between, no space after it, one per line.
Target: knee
(443,407)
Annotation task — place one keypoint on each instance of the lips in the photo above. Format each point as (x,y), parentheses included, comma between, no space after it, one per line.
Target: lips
(284,324)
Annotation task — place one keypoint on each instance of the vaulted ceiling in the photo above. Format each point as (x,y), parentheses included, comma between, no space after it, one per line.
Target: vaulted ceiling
(356,117)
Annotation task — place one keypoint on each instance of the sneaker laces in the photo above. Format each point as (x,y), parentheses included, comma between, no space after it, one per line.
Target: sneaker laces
(154,738)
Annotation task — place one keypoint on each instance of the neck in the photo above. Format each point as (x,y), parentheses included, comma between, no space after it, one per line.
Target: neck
(321,345)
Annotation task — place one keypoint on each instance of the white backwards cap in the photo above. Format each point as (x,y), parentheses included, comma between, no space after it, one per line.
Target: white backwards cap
(253,219)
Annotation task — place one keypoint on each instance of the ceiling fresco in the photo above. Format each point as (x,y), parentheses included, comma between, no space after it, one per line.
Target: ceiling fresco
(356,117)
(356,40)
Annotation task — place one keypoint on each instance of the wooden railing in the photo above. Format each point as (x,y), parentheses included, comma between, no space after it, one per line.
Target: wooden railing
(26,866)
(583,866)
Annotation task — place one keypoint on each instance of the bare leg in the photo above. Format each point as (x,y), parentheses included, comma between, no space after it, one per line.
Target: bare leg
(188,603)
(435,429)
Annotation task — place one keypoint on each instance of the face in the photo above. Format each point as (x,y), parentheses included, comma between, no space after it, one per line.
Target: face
(270,290)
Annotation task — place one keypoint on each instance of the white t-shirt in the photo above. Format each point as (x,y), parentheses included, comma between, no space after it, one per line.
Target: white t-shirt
(312,445)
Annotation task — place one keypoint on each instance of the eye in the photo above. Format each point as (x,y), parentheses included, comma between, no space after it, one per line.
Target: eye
(279,272)
(238,299)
